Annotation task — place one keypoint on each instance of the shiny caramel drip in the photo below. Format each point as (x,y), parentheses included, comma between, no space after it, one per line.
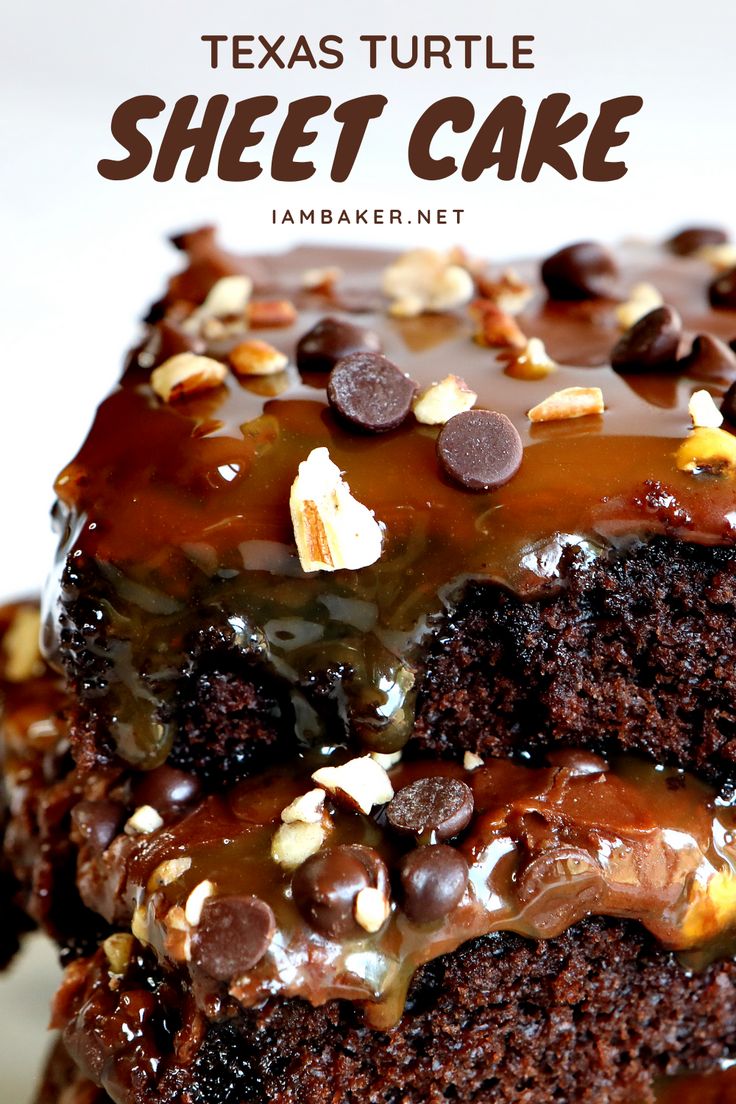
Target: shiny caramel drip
(547,846)
(175,511)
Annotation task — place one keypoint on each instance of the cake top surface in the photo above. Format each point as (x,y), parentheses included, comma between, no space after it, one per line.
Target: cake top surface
(181,498)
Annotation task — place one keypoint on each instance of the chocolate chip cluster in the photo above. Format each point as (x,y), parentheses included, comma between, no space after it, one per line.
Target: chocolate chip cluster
(431,877)
(477,449)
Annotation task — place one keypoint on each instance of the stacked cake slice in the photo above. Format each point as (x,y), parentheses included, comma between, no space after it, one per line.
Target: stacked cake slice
(385,744)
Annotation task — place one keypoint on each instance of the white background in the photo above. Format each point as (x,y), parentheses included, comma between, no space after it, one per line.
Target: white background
(82,256)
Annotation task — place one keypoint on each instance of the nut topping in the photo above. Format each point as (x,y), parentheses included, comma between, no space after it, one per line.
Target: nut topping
(423,280)
(436,404)
(510,293)
(570,402)
(332,529)
(307,808)
(229,296)
(295,841)
(386,759)
(360,783)
(270,314)
(186,374)
(257,358)
(168,872)
(196,899)
(372,909)
(708,450)
(144,820)
(495,328)
(532,361)
(139,924)
(721,256)
(21,646)
(703,411)
(118,949)
(321,279)
(643,298)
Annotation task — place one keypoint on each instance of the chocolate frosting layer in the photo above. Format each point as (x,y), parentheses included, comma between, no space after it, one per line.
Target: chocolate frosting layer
(181,511)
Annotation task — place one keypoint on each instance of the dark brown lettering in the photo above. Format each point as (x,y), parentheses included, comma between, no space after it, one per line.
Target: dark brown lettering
(604,136)
(354,116)
(123,127)
(455,110)
(293,136)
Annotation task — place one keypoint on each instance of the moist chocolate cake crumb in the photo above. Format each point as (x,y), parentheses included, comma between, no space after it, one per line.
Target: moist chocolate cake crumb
(636,653)
(594,1015)
(229,720)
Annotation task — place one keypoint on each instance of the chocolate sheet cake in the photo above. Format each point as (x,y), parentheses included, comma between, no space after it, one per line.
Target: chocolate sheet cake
(395,601)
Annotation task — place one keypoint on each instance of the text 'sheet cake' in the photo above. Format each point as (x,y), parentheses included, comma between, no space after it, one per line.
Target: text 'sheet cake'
(396,603)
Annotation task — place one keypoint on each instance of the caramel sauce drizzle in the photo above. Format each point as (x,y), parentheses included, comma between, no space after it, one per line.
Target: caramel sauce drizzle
(180,512)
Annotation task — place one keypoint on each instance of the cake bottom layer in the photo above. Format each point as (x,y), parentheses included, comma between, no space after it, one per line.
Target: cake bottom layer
(599,1014)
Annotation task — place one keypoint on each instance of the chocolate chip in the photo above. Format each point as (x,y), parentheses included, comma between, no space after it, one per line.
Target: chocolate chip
(233,934)
(694,238)
(722,292)
(480,449)
(650,344)
(370,392)
(585,270)
(329,341)
(433,881)
(326,885)
(709,359)
(98,822)
(165,788)
(440,806)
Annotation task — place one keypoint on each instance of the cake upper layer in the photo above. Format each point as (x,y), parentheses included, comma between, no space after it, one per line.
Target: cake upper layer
(176,514)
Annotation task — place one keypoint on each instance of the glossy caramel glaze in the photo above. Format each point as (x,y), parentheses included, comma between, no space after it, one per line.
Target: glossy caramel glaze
(546,847)
(177,515)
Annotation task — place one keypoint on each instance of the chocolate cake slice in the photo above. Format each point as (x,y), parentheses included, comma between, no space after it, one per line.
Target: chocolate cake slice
(395,598)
